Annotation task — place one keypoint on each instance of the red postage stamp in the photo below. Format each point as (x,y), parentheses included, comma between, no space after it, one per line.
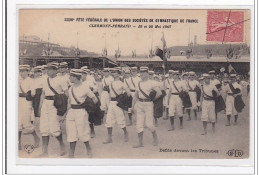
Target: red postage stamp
(225,26)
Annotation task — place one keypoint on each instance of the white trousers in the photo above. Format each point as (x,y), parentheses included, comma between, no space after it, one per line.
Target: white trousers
(230,108)
(175,106)
(49,120)
(77,125)
(144,116)
(208,111)
(165,101)
(115,115)
(104,100)
(25,111)
(193,99)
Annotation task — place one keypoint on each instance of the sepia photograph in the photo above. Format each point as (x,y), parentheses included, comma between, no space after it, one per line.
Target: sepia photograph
(134,84)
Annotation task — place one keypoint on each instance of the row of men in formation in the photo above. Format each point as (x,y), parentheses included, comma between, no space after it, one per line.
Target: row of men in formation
(140,94)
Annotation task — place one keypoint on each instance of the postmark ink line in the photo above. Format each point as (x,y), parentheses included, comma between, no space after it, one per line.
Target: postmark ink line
(227,27)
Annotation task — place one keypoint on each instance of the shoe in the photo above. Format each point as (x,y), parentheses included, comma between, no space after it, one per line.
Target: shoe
(155,140)
(138,146)
(63,151)
(171,129)
(37,143)
(107,141)
(204,133)
(126,137)
(89,154)
(92,135)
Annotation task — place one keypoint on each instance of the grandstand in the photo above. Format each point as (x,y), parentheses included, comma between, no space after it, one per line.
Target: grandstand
(34,51)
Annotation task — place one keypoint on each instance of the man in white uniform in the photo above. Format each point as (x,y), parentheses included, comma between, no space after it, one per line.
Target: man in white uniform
(104,97)
(185,78)
(216,83)
(230,101)
(37,88)
(133,82)
(115,114)
(63,68)
(192,84)
(89,80)
(208,104)
(25,107)
(201,82)
(175,102)
(159,83)
(128,83)
(91,84)
(166,84)
(49,120)
(144,106)
(77,125)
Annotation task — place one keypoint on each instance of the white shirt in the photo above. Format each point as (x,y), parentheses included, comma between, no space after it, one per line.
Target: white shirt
(90,78)
(25,85)
(128,83)
(106,81)
(91,84)
(133,82)
(159,84)
(181,85)
(36,84)
(118,86)
(244,83)
(56,84)
(167,82)
(192,84)
(80,92)
(207,89)
(215,82)
(147,87)
(65,79)
(236,85)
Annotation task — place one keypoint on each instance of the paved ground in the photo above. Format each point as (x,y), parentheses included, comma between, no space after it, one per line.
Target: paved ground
(224,139)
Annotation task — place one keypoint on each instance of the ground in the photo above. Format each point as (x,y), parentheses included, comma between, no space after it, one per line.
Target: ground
(219,143)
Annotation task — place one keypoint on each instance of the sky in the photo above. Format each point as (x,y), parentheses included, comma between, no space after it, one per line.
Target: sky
(41,22)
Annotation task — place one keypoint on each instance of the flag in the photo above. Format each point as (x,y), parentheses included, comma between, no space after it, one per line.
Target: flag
(163,41)
(231,68)
(164,50)
(159,53)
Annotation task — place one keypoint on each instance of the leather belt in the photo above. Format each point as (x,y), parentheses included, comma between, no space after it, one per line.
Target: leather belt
(208,99)
(144,100)
(175,94)
(230,94)
(113,99)
(132,90)
(22,94)
(49,97)
(76,106)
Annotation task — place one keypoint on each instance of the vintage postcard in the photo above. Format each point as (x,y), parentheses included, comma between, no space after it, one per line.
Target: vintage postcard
(134,84)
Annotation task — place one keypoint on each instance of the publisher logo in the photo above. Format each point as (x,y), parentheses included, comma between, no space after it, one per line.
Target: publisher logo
(235,153)
(28,148)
